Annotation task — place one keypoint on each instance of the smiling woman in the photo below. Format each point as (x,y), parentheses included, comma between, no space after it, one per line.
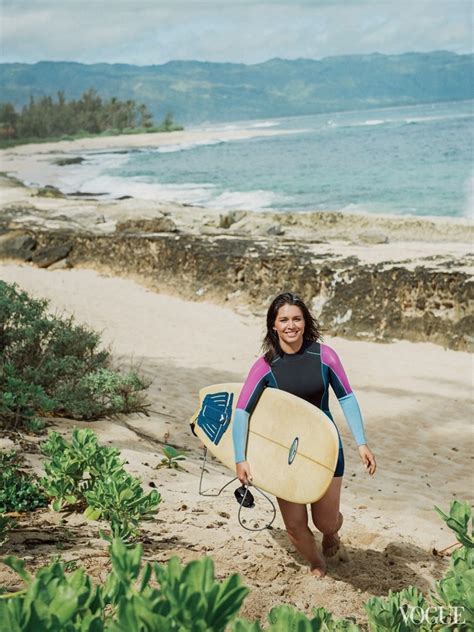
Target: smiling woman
(289,326)
(297,362)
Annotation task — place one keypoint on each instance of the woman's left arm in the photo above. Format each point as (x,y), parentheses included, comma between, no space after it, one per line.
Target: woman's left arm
(349,404)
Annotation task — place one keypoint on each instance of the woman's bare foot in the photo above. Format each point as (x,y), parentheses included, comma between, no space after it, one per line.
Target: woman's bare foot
(331,541)
(319,569)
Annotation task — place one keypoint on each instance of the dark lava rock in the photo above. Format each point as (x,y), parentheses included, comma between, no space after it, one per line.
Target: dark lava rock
(47,256)
(85,194)
(16,245)
(50,192)
(161,224)
(64,162)
(353,299)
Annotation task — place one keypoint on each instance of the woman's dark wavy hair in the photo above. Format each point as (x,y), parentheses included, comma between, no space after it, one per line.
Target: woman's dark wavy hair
(271,344)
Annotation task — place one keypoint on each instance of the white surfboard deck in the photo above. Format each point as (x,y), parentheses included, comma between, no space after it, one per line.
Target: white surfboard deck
(292,446)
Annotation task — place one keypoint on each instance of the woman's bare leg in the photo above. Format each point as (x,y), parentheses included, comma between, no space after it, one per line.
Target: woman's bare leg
(295,517)
(327,517)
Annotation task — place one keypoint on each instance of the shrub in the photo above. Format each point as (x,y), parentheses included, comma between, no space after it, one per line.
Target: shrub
(53,601)
(188,598)
(83,473)
(52,366)
(456,589)
(451,603)
(19,491)
(285,618)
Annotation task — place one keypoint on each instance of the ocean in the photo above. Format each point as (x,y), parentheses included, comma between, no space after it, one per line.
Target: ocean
(412,160)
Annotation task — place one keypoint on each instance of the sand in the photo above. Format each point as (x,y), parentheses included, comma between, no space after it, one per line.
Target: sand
(416,400)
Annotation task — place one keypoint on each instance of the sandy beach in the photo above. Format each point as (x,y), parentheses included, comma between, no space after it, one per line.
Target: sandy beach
(417,408)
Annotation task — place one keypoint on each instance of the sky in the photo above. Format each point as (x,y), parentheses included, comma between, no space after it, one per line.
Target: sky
(146,32)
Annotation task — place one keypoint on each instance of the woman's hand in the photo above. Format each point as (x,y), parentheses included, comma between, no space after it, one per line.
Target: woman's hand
(368,459)
(243,472)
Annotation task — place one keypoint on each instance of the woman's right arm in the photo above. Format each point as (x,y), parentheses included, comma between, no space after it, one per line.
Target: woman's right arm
(249,395)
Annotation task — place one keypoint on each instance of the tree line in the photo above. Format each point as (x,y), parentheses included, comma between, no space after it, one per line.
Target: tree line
(90,114)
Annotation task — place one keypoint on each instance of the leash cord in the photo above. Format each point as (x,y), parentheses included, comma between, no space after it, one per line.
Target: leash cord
(241,504)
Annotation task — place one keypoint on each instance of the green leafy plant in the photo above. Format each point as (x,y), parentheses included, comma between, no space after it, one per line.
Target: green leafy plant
(285,618)
(392,613)
(186,597)
(92,477)
(52,366)
(455,592)
(119,499)
(35,425)
(172,457)
(74,466)
(52,601)
(451,606)
(19,491)
(153,598)
(458,520)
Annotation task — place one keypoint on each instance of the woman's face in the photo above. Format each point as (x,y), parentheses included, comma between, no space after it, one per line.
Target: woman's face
(289,325)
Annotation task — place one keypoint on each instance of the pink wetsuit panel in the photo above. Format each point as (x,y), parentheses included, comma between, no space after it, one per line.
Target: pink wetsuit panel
(257,372)
(331,359)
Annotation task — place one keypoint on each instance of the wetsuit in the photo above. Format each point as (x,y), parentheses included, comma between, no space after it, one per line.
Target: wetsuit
(306,374)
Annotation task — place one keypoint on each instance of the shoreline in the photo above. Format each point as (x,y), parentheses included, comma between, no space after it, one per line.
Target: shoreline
(366,278)
(34,166)
(154,139)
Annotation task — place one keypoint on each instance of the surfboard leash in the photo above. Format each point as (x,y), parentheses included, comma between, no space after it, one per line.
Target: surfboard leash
(241,502)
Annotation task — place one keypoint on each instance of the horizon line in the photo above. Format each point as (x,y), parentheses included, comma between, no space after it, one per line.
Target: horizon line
(205,61)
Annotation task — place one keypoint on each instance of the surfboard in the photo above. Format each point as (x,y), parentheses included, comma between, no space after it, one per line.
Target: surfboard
(292,446)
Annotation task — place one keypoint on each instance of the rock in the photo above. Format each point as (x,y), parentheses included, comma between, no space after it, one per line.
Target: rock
(159,224)
(353,298)
(209,230)
(85,194)
(226,220)
(63,264)
(274,229)
(73,160)
(372,237)
(17,245)
(50,192)
(257,226)
(47,256)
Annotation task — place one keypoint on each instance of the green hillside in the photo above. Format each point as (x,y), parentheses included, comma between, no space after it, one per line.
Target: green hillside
(201,91)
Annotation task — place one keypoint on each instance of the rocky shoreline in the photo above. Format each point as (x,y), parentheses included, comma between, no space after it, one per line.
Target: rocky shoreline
(369,278)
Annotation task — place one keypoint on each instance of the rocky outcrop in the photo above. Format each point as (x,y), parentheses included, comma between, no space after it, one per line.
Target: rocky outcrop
(159,224)
(17,245)
(366,277)
(352,298)
(45,257)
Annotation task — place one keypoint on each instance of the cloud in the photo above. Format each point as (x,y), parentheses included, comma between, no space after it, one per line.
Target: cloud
(151,32)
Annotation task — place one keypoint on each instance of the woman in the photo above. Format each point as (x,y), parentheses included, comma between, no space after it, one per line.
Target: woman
(295,361)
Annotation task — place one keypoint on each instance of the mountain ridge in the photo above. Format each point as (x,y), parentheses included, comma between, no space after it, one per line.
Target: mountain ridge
(197,91)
